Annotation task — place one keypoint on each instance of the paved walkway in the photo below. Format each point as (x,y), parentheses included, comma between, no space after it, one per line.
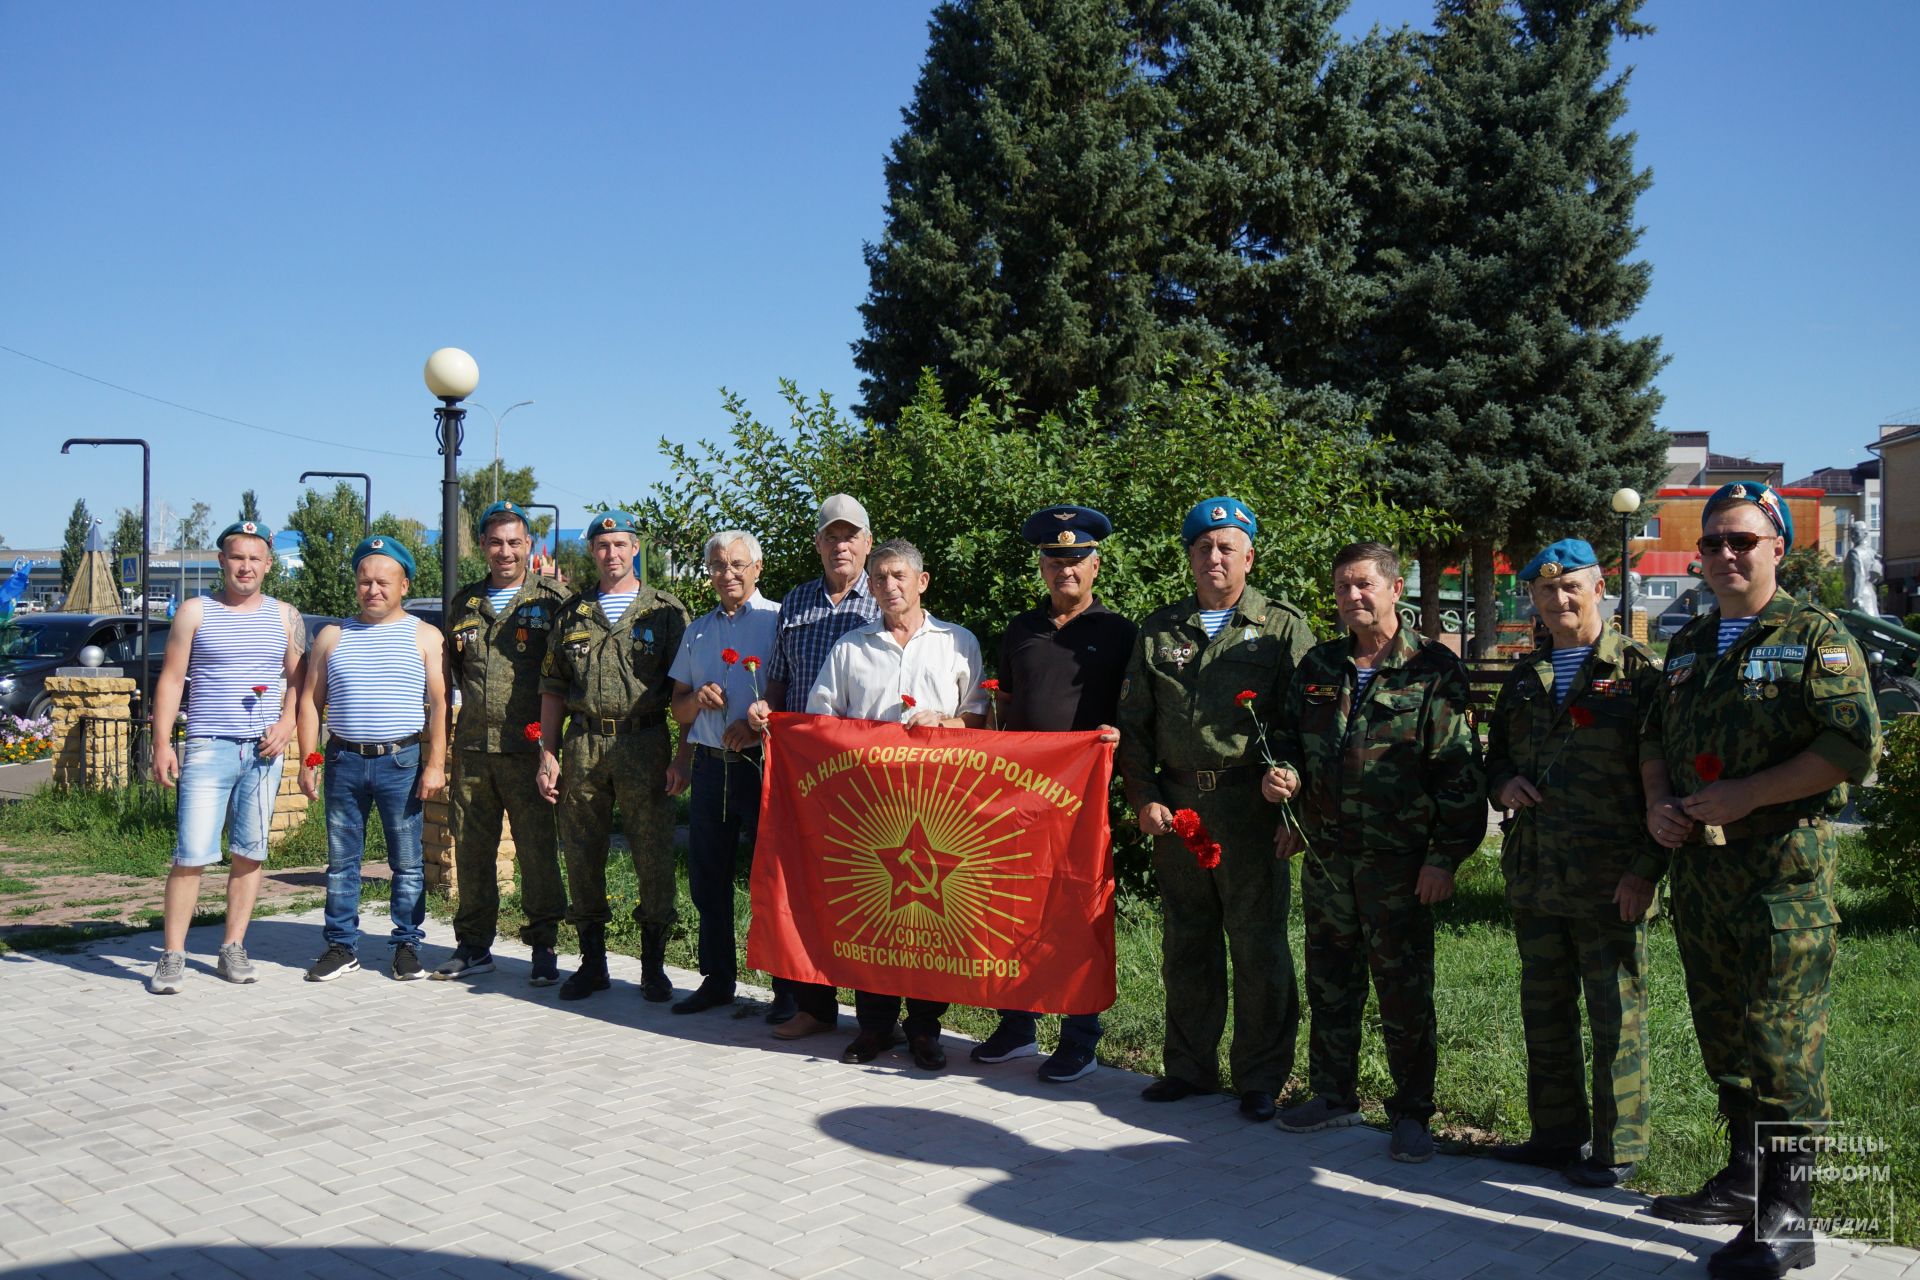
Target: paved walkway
(373,1128)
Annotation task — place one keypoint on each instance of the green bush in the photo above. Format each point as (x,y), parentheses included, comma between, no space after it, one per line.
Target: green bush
(1891,858)
(1911,622)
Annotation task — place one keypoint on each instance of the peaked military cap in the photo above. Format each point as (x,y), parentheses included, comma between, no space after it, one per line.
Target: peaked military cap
(612,522)
(1066,532)
(1218,513)
(247,528)
(1763,496)
(1563,556)
(381,544)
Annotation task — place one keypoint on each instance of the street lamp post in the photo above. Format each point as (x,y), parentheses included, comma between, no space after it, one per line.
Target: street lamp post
(497,420)
(146,615)
(1625,502)
(365,479)
(451,374)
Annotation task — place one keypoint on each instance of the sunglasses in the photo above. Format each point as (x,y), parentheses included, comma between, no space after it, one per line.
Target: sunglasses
(1738,543)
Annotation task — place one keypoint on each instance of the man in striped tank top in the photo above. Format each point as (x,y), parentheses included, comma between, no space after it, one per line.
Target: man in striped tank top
(243,652)
(379,681)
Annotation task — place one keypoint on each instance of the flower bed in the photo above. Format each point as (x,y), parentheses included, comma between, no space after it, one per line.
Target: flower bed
(23,740)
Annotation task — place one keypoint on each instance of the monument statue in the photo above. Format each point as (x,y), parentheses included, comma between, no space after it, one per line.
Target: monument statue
(1863,571)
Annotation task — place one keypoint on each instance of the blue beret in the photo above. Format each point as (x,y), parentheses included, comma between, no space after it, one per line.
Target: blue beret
(1066,532)
(383,544)
(250,528)
(1563,556)
(612,522)
(1218,513)
(513,509)
(1763,496)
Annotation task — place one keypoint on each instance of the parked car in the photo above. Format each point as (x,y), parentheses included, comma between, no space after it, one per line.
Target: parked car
(37,645)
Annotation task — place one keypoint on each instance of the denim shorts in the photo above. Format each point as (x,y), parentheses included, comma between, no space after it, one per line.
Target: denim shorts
(224,782)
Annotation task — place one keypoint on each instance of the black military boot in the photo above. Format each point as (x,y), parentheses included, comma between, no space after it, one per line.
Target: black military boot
(1783,1241)
(591,976)
(654,984)
(1728,1194)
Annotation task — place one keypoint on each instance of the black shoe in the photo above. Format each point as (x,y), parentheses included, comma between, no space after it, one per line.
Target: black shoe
(339,959)
(1171,1089)
(927,1053)
(591,976)
(546,968)
(1726,1197)
(465,962)
(782,1009)
(1593,1172)
(705,996)
(869,1045)
(1778,1239)
(406,963)
(1256,1104)
(1004,1045)
(1541,1155)
(655,986)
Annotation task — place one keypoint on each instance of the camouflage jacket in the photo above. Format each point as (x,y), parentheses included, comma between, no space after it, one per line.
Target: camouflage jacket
(1178,705)
(1565,855)
(615,672)
(496,659)
(1396,770)
(1794,682)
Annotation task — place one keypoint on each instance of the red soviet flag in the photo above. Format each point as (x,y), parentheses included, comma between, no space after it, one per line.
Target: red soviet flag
(948,864)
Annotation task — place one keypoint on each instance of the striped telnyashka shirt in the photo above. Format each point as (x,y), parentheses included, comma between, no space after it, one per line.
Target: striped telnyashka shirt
(376,682)
(233,651)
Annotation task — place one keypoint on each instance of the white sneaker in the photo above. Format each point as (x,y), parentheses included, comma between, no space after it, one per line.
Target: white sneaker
(169,973)
(234,965)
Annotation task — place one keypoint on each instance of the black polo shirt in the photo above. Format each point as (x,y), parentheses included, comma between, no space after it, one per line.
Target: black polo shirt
(1063,678)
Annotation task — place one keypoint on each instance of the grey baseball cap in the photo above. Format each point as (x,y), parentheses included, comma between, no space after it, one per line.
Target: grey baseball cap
(842,507)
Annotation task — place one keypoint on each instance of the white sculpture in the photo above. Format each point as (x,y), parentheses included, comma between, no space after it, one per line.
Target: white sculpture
(1863,571)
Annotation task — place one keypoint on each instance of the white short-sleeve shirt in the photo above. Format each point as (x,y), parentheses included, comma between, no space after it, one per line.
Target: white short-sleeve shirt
(751,632)
(867,671)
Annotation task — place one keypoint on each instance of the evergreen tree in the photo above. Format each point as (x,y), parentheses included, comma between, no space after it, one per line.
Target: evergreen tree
(1026,202)
(330,527)
(75,544)
(1506,230)
(126,533)
(249,507)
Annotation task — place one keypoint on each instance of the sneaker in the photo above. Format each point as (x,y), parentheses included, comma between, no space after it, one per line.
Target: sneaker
(1412,1144)
(339,959)
(1069,1062)
(169,973)
(546,968)
(234,966)
(406,963)
(465,962)
(1316,1114)
(1004,1045)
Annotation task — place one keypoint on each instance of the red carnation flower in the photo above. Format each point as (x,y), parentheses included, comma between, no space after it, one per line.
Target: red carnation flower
(991,686)
(750,662)
(1193,833)
(1708,766)
(533,731)
(1209,857)
(259,689)
(729,656)
(906,700)
(1245,697)
(1580,716)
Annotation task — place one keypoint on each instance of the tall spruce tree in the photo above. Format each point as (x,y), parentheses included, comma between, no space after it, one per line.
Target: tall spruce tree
(1026,203)
(75,544)
(249,507)
(1506,234)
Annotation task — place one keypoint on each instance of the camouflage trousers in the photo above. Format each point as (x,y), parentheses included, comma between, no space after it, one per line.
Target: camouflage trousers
(487,785)
(1755,921)
(1246,896)
(597,771)
(1363,919)
(1562,957)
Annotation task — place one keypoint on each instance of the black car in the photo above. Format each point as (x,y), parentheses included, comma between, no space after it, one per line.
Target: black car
(35,645)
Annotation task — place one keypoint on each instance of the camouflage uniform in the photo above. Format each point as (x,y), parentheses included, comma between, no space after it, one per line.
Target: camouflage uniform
(496,661)
(1178,717)
(1563,859)
(614,678)
(1390,781)
(1755,917)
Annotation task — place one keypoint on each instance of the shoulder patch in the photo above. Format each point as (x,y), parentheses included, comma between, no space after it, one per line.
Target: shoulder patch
(1835,659)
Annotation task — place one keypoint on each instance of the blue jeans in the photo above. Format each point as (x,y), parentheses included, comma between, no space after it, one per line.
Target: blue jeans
(1075,1028)
(726,806)
(224,780)
(357,784)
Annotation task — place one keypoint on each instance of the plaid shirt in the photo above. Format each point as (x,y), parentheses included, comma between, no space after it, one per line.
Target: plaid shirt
(810,625)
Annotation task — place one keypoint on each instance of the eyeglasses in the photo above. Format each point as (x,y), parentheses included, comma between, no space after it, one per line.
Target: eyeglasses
(716,568)
(1738,543)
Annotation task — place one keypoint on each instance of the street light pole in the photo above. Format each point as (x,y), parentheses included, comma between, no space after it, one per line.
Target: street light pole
(366,516)
(451,374)
(497,420)
(1625,502)
(146,615)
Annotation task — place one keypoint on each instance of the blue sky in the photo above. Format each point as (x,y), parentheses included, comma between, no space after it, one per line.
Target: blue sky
(273,213)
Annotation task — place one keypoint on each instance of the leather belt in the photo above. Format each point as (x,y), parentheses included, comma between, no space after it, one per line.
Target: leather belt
(1213,779)
(729,757)
(374,748)
(606,727)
